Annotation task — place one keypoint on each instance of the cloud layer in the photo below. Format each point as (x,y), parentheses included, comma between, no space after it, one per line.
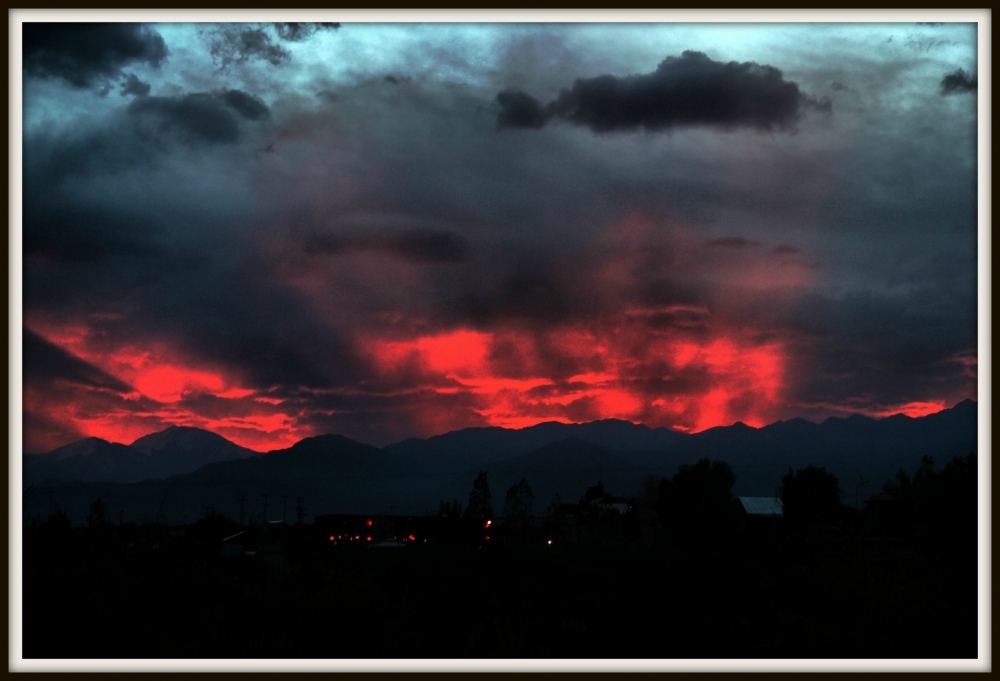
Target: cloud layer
(225,249)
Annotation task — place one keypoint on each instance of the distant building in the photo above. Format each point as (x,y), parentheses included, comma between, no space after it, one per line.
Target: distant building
(762,506)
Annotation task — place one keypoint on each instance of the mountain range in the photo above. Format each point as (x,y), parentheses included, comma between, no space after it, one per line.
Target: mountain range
(169,452)
(178,473)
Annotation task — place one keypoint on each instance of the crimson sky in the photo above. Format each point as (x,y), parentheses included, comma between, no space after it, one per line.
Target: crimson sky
(278,231)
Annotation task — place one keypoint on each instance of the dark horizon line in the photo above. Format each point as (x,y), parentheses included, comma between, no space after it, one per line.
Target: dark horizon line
(573,423)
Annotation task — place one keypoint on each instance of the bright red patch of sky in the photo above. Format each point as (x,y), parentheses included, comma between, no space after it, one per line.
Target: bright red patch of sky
(162,379)
(719,380)
(736,380)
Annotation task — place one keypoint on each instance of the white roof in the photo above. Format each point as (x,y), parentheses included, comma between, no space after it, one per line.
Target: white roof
(762,505)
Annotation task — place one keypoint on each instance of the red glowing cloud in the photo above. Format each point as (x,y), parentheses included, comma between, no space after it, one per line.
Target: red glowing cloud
(915,409)
(165,390)
(578,375)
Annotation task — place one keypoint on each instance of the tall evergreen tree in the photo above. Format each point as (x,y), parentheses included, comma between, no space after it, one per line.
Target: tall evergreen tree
(480,499)
(519,500)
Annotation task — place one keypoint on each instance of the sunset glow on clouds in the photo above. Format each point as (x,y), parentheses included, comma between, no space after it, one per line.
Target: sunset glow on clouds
(159,390)
(716,384)
(473,231)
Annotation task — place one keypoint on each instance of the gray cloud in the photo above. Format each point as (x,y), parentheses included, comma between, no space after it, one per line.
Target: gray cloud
(233,45)
(734,242)
(90,53)
(133,86)
(785,249)
(957,82)
(415,245)
(298,31)
(689,90)
(521,110)
(207,117)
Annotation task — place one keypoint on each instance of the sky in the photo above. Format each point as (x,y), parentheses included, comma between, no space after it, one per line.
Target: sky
(275,231)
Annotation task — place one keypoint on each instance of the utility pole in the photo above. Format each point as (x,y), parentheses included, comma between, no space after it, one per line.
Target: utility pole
(301,510)
(284,500)
(242,499)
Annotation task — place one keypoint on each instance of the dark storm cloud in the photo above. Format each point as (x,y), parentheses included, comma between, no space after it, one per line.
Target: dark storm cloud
(235,45)
(87,53)
(689,90)
(896,347)
(958,82)
(416,245)
(298,31)
(530,292)
(79,233)
(250,107)
(207,117)
(785,249)
(47,363)
(133,86)
(521,110)
(734,242)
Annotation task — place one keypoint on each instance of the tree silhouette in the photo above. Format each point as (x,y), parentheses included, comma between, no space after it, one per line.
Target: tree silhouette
(58,521)
(699,503)
(519,500)
(810,495)
(98,514)
(947,500)
(450,510)
(480,499)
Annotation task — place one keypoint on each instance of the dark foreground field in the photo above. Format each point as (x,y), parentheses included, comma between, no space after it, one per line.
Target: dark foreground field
(802,596)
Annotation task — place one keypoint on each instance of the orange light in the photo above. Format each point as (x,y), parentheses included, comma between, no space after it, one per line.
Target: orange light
(488,523)
(412,537)
(487,537)
(331,538)
(425,541)
(369,523)
(369,538)
(358,537)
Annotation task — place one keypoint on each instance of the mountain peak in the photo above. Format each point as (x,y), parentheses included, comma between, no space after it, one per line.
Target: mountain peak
(84,447)
(185,437)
